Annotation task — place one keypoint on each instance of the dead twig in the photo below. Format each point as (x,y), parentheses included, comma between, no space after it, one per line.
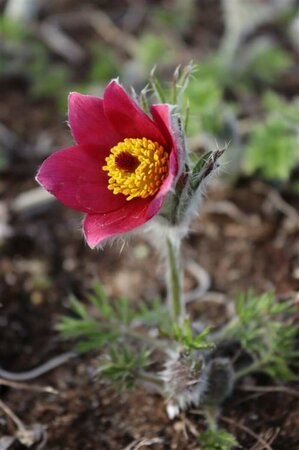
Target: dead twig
(26,387)
(6,442)
(229,209)
(32,201)
(110,33)
(59,42)
(136,445)
(11,415)
(10,143)
(26,435)
(270,435)
(191,428)
(270,389)
(274,199)
(260,440)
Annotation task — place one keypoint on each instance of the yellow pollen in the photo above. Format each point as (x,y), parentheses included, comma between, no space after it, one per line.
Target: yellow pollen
(136,167)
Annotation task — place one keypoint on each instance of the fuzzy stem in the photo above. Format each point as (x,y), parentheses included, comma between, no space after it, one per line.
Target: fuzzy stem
(211,418)
(174,281)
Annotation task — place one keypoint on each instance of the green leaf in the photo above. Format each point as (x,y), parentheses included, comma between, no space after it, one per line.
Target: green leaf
(265,328)
(157,88)
(121,365)
(123,311)
(188,332)
(197,169)
(112,321)
(218,440)
(71,328)
(273,144)
(205,97)
(13,30)
(97,342)
(184,336)
(100,300)
(199,341)
(269,63)
(79,308)
(152,50)
(104,65)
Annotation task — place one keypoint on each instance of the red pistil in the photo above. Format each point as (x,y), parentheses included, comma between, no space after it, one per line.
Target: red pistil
(126,161)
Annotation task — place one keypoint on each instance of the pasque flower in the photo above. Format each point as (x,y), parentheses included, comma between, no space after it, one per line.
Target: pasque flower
(122,167)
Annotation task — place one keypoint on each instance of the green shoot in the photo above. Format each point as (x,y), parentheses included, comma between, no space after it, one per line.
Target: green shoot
(184,335)
(199,164)
(217,440)
(143,100)
(156,87)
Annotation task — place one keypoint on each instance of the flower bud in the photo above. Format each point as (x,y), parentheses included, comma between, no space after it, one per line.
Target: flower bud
(184,380)
(220,381)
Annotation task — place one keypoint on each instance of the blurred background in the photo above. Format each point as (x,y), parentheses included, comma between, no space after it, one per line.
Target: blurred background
(245,91)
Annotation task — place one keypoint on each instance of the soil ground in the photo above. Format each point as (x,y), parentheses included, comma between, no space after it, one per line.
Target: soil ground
(246,236)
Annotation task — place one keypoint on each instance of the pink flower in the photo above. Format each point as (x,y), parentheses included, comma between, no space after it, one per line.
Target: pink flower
(122,167)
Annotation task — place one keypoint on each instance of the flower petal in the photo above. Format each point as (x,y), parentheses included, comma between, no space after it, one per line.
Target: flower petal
(162,116)
(75,176)
(127,117)
(98,227)
(167,186)
(88,122)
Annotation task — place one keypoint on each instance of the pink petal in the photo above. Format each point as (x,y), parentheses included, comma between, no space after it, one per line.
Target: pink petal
(167,185)
(88,122)
(126,116)
(162,116)
(98,227)
(75,176)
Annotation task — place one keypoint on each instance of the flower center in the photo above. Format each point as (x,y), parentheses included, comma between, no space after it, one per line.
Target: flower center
(136,167)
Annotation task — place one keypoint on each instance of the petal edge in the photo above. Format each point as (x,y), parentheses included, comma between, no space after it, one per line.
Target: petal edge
(88,122)
(75,177)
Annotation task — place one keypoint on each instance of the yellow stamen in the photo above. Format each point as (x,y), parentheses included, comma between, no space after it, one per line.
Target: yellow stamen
(136,167)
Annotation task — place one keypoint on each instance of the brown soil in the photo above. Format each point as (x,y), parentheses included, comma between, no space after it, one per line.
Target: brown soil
(245,238)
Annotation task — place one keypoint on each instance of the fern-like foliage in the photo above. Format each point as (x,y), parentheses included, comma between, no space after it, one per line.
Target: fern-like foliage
(267,332)
(121,365)
(101,322)
(217,440)
(273,145)
(267,63)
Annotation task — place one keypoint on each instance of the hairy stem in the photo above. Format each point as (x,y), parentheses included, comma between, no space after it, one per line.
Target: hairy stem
(174,281)
(211,418)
